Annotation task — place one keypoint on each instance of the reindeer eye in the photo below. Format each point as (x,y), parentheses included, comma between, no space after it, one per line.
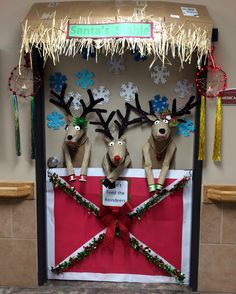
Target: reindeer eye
(120,143)
(66,128)
(77,128)
(165,121)
(111,144)
(156,122)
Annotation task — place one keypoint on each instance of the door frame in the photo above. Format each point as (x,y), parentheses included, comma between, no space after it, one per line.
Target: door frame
(40,166)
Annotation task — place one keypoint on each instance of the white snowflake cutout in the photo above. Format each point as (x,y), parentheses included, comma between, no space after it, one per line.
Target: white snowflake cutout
(75,105)
(128,90)
(159,74)
(184,88)
(116,64)
(101,92)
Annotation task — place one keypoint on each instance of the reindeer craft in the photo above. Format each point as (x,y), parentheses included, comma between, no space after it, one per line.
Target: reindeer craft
(159,151)
(76,146)
(117,158)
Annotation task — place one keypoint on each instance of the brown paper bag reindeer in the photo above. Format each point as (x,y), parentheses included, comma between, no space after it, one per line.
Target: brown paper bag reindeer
(159,151)
(117,158)
(76,146)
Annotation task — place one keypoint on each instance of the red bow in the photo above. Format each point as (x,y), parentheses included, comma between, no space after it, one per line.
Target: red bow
(115,217)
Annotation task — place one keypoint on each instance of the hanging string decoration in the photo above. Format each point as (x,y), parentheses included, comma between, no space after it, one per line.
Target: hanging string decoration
(210,81)
(23,84)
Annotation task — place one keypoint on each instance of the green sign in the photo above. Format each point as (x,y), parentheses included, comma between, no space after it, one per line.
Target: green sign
(111,30)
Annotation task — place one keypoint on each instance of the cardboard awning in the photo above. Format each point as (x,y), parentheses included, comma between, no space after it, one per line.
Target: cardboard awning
(180,29)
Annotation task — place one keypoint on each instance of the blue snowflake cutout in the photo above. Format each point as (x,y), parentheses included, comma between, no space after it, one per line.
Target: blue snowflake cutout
(56,81)
(85,54)
(184,128)
(84,78)
(55,120)
(159,103)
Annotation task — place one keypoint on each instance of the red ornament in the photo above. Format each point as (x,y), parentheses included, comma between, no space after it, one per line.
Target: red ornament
(211,79)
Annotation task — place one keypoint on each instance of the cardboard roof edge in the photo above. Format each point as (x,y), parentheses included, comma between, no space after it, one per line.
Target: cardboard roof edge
(42,13)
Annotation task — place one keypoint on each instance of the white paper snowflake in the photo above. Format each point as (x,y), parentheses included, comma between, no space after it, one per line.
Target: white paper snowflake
(75,105)
(116,64)
(101,92)
(184,88)
(159,74)
(128,90)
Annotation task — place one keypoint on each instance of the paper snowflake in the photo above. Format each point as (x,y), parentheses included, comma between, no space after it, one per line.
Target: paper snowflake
(159,103)
(85,54)
(101,92)
(84,78)
(184,88)
(55,120)
(75,105)
(116,64)
(137,56)
(159,74)
(56,81)
(128,91)
(185,128)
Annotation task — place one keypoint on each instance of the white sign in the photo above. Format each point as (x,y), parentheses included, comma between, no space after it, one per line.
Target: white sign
(117,196)
(189,11)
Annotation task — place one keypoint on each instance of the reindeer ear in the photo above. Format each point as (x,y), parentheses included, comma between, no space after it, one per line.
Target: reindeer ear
(152,117)
(123,138)
(69,118)
(107,140)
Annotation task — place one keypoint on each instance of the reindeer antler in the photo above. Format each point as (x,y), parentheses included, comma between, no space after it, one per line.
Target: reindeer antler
(184,110)
(124,120)
(105,124)
(61,97)
(138,110)
(92,103)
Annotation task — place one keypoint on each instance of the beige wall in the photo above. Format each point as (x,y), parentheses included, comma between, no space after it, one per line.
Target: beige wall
(223,15)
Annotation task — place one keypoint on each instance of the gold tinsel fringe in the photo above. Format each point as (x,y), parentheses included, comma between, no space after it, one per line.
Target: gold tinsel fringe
(201,149)
(217,139)
(181,40)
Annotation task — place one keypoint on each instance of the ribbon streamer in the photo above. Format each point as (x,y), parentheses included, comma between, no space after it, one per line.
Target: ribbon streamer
(17,125)
(32,128)
(217,140)
(201,149)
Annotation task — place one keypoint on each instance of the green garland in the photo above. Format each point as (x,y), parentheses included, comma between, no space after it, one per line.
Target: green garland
(70,191)
(158,197)
(157,261)
(65,265)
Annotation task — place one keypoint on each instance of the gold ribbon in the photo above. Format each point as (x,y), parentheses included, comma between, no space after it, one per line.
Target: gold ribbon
(201,148)
(217,140)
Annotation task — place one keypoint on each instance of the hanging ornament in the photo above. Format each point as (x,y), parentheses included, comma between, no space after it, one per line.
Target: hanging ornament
(210,81)
(22,83)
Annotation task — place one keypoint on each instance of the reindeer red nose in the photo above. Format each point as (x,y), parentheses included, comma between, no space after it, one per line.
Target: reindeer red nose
(117,158)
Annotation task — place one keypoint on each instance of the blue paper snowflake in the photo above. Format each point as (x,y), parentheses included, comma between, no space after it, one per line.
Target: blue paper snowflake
(137,56)
(159,103)
(84,78)
(55,120)
(92,53)
(56,81)
(185,128)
